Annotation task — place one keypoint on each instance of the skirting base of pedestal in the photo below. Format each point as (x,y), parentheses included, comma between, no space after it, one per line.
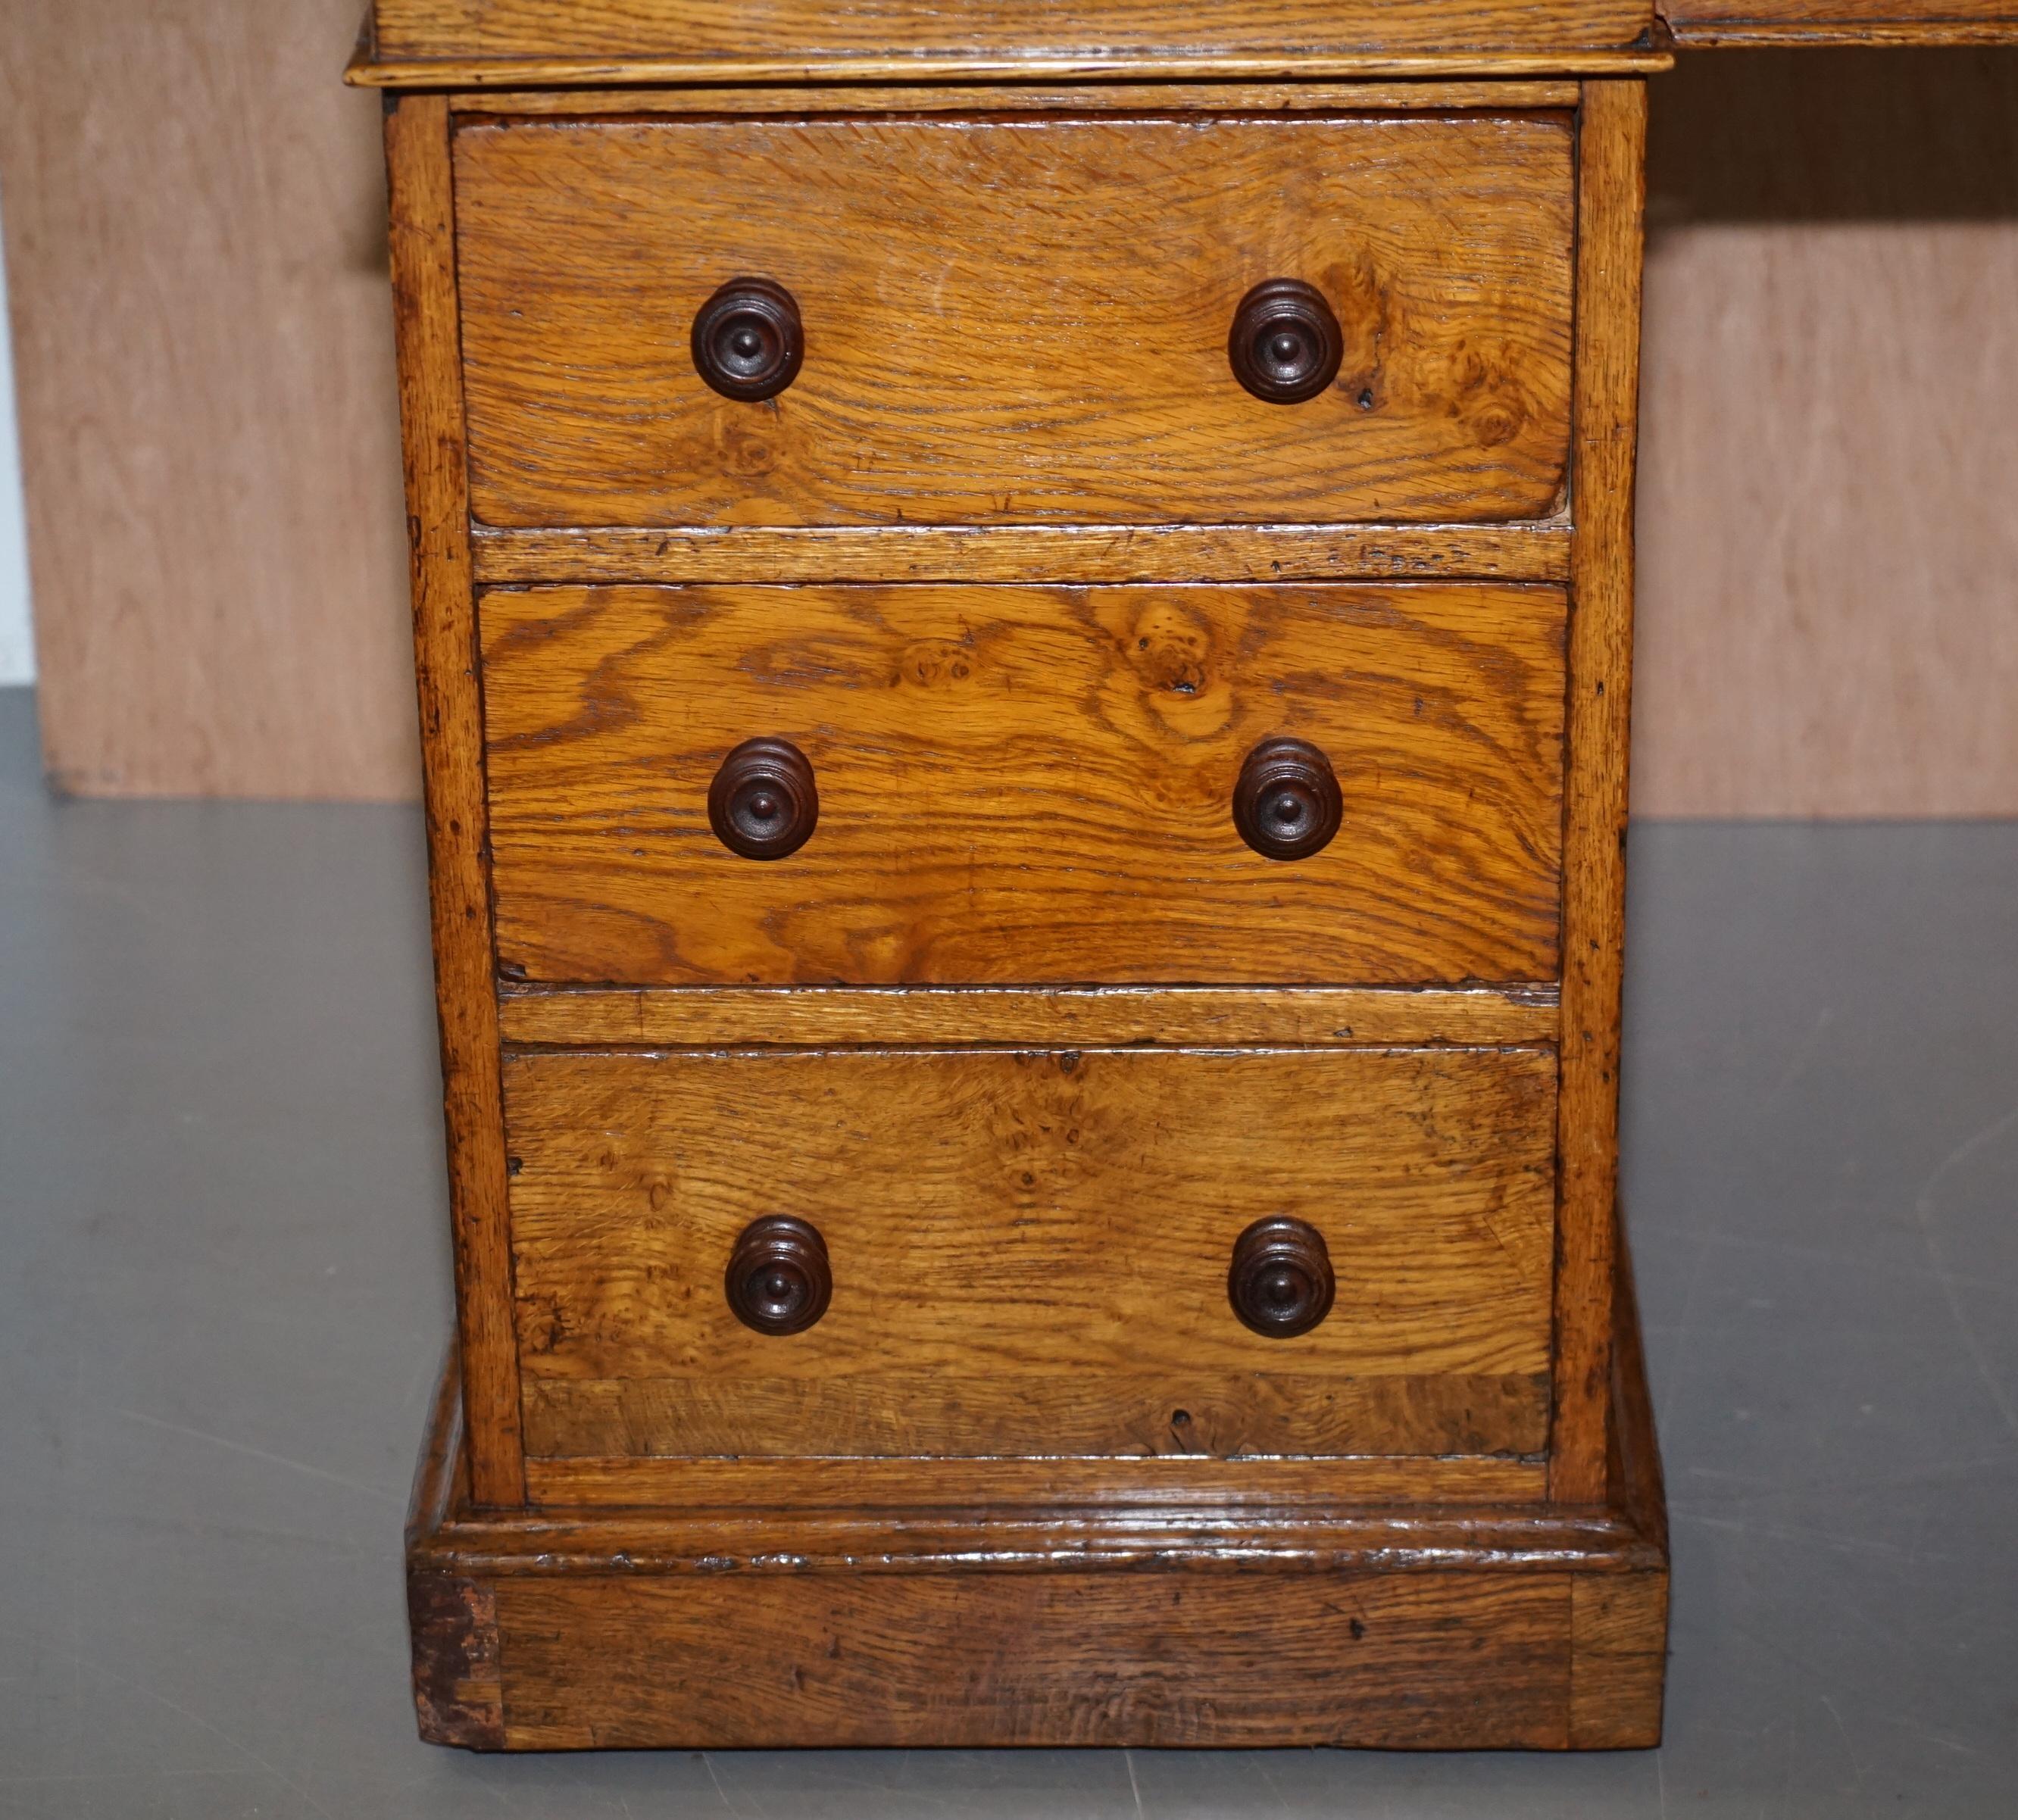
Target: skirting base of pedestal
(1429,1628)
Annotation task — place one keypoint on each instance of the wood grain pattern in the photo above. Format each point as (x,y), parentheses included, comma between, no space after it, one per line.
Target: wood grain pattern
(1177,1486)
(1618,1643)
(1424,1661)
(1083,554)
(1826,624)
(1610,203)
(1162,1509)
(1840,22)
(1163,1513)
(203,361)
(1134,98)
(813,1571)
(878,1517)
(458,1685)
(986,342)
(919,1414)
(478,73)
(894,34)
(1634,1483)
(1619,1622)
(451,1615)
(1047,1236)
(445,656)
(1025,784)
(1335,1531)
(1061,1017)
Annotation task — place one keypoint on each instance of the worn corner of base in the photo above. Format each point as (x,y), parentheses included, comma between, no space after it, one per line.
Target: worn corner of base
(458,1690)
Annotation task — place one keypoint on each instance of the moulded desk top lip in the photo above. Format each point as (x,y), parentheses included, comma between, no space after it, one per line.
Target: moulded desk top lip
(367,70)
(445,52)
(443,47)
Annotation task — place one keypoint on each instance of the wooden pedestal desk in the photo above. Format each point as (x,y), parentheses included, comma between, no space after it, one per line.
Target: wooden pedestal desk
(1024,624)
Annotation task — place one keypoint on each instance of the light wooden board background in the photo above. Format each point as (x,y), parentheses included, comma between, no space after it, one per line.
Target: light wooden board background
(1828,521)
(1829,545)
(203,358)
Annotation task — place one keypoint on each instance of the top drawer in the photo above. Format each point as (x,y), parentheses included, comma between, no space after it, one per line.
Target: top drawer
(1016,321)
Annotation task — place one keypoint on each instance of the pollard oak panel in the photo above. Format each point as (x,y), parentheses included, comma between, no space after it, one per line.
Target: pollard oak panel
(1030,1251)
(1019,321)
(1025,784)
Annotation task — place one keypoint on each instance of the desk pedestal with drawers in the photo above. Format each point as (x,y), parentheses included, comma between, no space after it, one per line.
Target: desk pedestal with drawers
(1024,688)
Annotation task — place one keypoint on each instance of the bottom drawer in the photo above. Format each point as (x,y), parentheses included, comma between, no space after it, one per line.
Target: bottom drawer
(1030,1252)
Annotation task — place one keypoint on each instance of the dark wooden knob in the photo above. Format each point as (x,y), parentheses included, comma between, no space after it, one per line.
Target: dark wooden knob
(1281,1283)
(763,804)
(1286,804)
(748,339)
(778,1280)
(1285,345)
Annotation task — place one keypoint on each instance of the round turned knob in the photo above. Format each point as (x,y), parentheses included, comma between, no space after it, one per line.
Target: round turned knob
(1286,345)
(1281,1282)
(763,804)
(778,1280)
(748,339)
(1286,804)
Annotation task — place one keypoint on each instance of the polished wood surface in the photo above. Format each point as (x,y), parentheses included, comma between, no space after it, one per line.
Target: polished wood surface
(749,340)
(1610,204)
(779,1279)
(1546,1628)
(1281,1282)
(1285,345)
(1618,1632)
(1840,22)
(1287,805)
(1082,553)
(804,35)
(1030,1251)
(987,341)
(797,100)
(1028,1325)
(1180,1485)
(1025,784)
(608,1426)
(563,74)
(1619,1625)
(616,29)
(1037,1016)
(1455,1660)
(764,802)
(423,259)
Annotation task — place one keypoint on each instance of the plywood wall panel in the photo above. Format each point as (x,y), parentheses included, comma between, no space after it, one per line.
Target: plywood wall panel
(1828,510)
(203,344)
(1829,621)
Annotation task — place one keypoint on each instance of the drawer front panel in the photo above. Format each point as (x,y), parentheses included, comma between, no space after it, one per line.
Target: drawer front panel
(1030,1251)
(1025,784)
(1016,321)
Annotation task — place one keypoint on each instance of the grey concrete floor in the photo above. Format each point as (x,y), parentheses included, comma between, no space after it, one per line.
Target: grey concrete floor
(223,1291)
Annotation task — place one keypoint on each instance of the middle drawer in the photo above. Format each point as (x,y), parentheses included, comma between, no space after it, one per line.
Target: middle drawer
(1026,785)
